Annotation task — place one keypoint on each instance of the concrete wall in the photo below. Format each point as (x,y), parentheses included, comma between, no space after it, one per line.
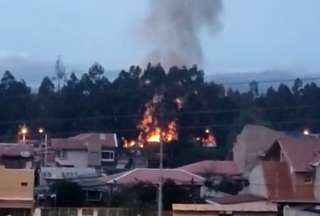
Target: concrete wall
(287,211)
(257,184)
(16,183)
(303,188)
(77,158)
(317,183)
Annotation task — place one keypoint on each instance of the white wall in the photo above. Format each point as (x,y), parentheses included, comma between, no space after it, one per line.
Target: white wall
(256,182)
(287,211)
(317,183)
(77,158)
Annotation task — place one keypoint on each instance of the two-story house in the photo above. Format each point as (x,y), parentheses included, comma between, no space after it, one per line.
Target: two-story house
(16,194)
(97,150)
(288,171)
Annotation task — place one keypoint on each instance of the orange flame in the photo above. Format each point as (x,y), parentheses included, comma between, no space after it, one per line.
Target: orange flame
(150,130)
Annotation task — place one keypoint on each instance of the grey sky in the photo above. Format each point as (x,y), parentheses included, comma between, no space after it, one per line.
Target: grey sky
(256,35)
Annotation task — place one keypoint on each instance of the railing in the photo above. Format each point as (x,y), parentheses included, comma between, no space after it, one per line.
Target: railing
(96,212)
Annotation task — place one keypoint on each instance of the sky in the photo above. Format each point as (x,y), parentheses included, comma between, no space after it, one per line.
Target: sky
(256,35)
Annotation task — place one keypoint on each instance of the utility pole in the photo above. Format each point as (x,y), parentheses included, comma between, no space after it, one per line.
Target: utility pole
(160,179)
(45,149)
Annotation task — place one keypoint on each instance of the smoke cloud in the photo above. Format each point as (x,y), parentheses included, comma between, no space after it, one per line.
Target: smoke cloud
(173,29)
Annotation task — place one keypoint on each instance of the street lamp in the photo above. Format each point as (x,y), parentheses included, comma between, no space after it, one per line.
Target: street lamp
(42,131)
(306,132)
(23,132)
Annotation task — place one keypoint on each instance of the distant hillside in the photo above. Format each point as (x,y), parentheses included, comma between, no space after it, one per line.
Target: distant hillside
(240,81)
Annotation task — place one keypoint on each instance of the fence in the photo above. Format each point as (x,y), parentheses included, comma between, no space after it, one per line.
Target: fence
(96,212)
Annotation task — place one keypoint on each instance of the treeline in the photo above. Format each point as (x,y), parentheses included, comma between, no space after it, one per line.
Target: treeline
(67,105)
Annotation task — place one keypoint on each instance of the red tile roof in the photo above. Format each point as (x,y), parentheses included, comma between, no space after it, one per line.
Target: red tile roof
(228,168)
(300,152)
(82,141)
(16,150)
(180,177)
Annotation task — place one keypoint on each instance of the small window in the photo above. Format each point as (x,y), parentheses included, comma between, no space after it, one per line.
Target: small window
(308,179)
(87,212)
(108,156)
(24,184)
(94,196)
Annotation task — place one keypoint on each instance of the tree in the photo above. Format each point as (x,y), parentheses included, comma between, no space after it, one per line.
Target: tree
(297,87)
(96,72)
(46,87)
(68,194)
(6,80)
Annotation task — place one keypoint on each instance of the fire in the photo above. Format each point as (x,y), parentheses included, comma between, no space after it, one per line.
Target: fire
(154,136)
(209,140)
(150,129)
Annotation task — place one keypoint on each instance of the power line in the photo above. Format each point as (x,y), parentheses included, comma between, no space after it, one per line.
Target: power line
(137,116)
(111,90)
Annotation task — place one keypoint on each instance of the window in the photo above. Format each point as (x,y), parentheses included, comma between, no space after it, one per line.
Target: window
(94,196)
(87,212)
(308,178)
(63,154)
(108,156)
(24,184)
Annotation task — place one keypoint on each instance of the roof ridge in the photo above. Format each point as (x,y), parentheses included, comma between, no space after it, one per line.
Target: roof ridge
(123,175)
(192,174)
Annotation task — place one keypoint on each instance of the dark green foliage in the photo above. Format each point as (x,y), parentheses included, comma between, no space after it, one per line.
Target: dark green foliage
(68,106)
(226,185)
(68,194)
(144,195)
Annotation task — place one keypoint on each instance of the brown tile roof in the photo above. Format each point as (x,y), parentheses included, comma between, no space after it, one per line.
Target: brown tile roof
(16,150)
(213,167)
(281,185)
(278,180)
(300,152)
(242,198)
(152,176)
(81,141)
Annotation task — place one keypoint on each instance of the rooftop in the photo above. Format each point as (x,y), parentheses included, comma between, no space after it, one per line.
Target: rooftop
(228,168)
(86,141)
(180,177)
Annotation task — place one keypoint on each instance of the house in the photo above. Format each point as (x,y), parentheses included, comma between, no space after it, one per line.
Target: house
(182,178)
(97,150)
(238,208)
(289,170)
(16,156)
(217,173)
(53,174)
(16,194)
(101,188)
(153,176)
(296,211)
(250,143)
(213,168)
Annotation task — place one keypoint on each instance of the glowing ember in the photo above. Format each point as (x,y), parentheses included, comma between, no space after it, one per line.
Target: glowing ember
(209,140)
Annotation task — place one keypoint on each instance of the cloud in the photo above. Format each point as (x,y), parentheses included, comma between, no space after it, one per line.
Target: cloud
(24,67)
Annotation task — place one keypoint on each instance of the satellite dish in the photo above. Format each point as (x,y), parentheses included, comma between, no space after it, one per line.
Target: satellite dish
(25,154)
